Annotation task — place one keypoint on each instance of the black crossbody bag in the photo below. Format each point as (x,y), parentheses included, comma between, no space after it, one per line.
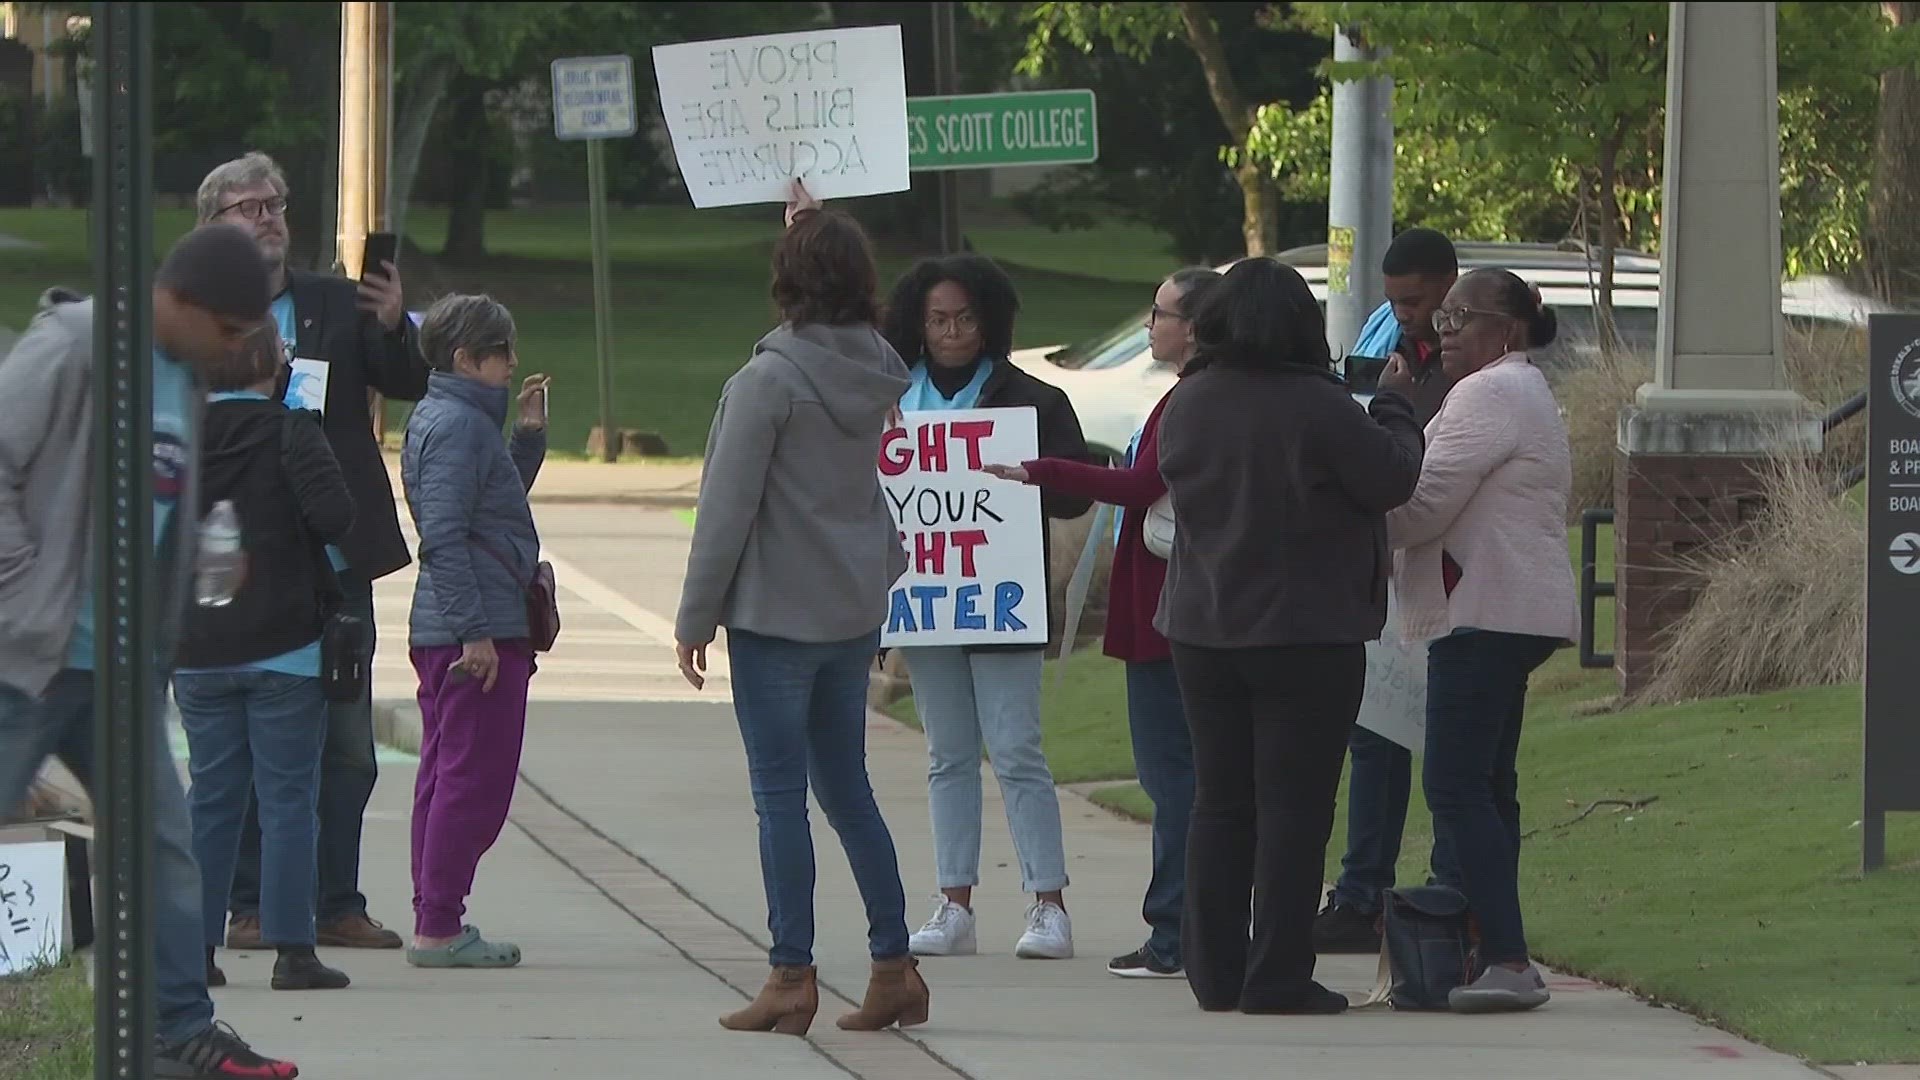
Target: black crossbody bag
(346,641)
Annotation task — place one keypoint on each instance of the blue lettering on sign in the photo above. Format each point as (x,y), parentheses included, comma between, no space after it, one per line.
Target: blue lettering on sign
(1007,596)
(927,594)
(900,614)
(965,615)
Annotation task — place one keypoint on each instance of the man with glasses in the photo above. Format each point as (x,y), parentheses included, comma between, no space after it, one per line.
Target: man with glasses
(345,338)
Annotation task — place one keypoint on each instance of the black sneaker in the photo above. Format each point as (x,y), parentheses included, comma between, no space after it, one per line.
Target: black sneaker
(215,1053)
(1341,930)
(1317,1001)
(1143,963)
(304,971)
(215,977)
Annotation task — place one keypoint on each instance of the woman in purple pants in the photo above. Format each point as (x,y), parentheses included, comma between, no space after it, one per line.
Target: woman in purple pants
(467,490)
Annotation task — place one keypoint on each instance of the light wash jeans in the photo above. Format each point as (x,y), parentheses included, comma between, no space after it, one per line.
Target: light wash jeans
(966,698)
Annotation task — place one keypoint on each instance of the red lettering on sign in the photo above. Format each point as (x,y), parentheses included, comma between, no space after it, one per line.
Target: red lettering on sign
(964,541)
(894,461)
(933,448)
(930,553)
(973,432)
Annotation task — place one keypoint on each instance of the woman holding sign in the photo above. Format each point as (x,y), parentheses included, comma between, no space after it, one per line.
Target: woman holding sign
(1162,748)
(952,320)
(794,552)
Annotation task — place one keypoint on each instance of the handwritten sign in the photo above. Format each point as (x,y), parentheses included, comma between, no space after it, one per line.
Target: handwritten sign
(746,115)
(1395,705)
(976,570)
(33,904)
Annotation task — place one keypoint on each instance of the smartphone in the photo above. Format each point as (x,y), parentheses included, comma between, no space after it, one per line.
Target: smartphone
(382,248)
(1363,373)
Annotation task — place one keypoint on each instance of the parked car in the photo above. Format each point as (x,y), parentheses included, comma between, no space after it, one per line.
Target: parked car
(1113,381)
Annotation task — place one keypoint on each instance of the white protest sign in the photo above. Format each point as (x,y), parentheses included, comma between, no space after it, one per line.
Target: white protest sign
(33,905)
(1395,705)
(746,115)
(976,564)
(593,98)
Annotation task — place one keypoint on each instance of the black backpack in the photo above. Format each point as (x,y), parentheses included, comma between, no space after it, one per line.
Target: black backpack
(1429,947)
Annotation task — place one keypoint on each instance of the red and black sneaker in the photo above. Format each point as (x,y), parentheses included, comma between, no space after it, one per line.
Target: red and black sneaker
(218,1051)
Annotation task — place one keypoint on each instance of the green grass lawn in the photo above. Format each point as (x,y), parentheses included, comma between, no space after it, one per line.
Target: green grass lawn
(689,296)
(1735,895)
(46,1025)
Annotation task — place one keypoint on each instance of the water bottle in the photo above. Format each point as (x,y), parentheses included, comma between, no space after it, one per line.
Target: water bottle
(222,562)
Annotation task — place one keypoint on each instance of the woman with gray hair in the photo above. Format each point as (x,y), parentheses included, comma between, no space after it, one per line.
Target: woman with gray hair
(468,633)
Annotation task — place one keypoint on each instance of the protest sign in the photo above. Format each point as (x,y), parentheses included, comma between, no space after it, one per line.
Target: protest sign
(746,115)
(33,904)
(1395,705)
(976,565)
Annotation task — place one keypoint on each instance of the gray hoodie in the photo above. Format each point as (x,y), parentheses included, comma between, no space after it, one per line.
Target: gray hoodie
(793,538)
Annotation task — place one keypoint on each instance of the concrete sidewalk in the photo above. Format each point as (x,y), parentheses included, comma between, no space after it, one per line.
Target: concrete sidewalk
(669,484)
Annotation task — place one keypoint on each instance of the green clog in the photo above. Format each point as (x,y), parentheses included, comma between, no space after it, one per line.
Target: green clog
(469,950)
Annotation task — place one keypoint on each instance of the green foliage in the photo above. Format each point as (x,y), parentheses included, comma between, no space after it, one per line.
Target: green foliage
(1133,30)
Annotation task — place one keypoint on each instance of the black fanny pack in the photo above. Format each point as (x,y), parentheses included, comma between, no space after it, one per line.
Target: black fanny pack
(346,655)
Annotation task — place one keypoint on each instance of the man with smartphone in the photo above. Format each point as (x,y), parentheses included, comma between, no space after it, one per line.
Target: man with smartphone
(344,338)
(1419,267)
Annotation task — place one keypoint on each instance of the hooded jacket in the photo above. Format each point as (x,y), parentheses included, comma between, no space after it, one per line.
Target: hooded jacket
(792,538)
(275,466)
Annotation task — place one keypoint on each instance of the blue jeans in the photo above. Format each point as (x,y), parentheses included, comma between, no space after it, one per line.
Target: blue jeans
(1163,760)
(1476,703)
(802,710)
(348,773)
(255,733)
(1379,784)
(965,698)
(60,722)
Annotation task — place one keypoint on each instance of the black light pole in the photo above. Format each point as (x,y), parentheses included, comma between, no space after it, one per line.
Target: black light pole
(126,690)
(946,80)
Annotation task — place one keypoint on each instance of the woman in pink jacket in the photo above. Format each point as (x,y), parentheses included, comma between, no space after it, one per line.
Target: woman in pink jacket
(1483,574)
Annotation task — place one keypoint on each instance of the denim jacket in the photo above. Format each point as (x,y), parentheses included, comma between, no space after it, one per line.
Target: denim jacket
(467,490)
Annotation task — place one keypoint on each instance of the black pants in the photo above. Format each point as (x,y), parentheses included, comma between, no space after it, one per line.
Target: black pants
(1270,729)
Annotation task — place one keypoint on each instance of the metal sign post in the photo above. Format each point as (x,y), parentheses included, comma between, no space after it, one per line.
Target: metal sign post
(126,685)
(593,100)
(1891,767)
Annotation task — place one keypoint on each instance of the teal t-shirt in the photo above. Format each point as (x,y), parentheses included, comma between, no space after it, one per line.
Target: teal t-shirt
(172,404)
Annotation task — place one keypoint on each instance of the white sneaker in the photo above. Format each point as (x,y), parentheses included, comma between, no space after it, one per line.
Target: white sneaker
(949,933)
(1049,933)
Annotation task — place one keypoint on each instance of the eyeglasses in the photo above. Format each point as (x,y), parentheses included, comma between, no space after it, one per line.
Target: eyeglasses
(255,209)
(1156,313)
(1454,320)
(943,325)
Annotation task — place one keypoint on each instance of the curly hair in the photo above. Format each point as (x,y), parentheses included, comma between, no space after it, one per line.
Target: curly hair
(823,271)
(989,290)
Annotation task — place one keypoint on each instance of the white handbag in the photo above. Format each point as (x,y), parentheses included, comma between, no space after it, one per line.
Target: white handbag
(1156,530)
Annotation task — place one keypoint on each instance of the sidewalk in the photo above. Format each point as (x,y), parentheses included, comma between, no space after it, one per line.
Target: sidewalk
(671,484)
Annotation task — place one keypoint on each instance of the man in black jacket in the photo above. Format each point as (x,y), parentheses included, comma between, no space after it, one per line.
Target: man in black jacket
(344,339)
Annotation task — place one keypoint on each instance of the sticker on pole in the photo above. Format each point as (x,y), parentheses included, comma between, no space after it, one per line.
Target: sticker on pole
(593,98)
(747,115)
(1905,553)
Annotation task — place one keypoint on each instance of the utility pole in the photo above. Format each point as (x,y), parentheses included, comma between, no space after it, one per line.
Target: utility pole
(1360,198)
(366,142)
(946,79)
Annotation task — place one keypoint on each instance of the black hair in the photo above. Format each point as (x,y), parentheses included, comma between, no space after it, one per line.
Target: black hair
(218,269)
(989,291)
(1259,315)
(1514,297)
(1420,251)
(1194,283)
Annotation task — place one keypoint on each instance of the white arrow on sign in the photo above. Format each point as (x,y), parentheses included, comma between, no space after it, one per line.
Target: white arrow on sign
(1905,553)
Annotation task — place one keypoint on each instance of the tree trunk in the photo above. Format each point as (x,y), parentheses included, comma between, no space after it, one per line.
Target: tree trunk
(1893,210)
(467,214)
(1607,169)
(420,98)
(1260,213)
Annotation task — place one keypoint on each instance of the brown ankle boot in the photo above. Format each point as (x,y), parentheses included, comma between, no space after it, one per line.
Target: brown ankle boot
(786,1004)
(895,994)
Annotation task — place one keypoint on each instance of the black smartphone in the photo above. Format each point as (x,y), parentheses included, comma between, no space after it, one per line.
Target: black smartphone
(1363,373)
(382,248)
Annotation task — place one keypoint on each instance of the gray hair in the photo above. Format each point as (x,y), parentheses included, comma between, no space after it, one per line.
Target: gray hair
(255,168)
(477,323)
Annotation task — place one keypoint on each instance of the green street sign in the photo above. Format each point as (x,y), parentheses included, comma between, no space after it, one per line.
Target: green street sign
(983,131)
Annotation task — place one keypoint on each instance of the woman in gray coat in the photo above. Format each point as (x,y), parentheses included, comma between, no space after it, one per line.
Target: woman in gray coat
(467,490)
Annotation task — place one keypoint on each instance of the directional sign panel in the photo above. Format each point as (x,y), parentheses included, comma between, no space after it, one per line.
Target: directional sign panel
(983,131)
(1892,767)
(593,98)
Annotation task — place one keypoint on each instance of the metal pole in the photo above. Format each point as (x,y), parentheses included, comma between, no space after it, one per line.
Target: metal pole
(1873,841)
(1360,199)
(126,688)
(946,80)
(356,93)
(602,304)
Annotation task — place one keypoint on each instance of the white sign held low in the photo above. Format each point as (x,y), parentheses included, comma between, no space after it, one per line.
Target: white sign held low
(976,565)
(746,115)
(33,905)
(1395,705)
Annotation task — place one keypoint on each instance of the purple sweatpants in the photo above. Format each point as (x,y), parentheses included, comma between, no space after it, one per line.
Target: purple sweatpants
(469,759)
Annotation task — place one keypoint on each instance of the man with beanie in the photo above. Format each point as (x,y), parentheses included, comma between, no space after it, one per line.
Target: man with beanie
(209,293)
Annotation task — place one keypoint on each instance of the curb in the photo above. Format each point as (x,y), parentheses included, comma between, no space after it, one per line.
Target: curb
(397,724)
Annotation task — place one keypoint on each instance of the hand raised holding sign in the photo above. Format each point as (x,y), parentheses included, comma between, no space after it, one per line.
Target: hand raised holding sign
(799,200)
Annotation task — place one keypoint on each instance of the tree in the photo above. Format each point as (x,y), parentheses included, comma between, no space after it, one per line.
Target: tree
(1137,31)
(1893,240)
